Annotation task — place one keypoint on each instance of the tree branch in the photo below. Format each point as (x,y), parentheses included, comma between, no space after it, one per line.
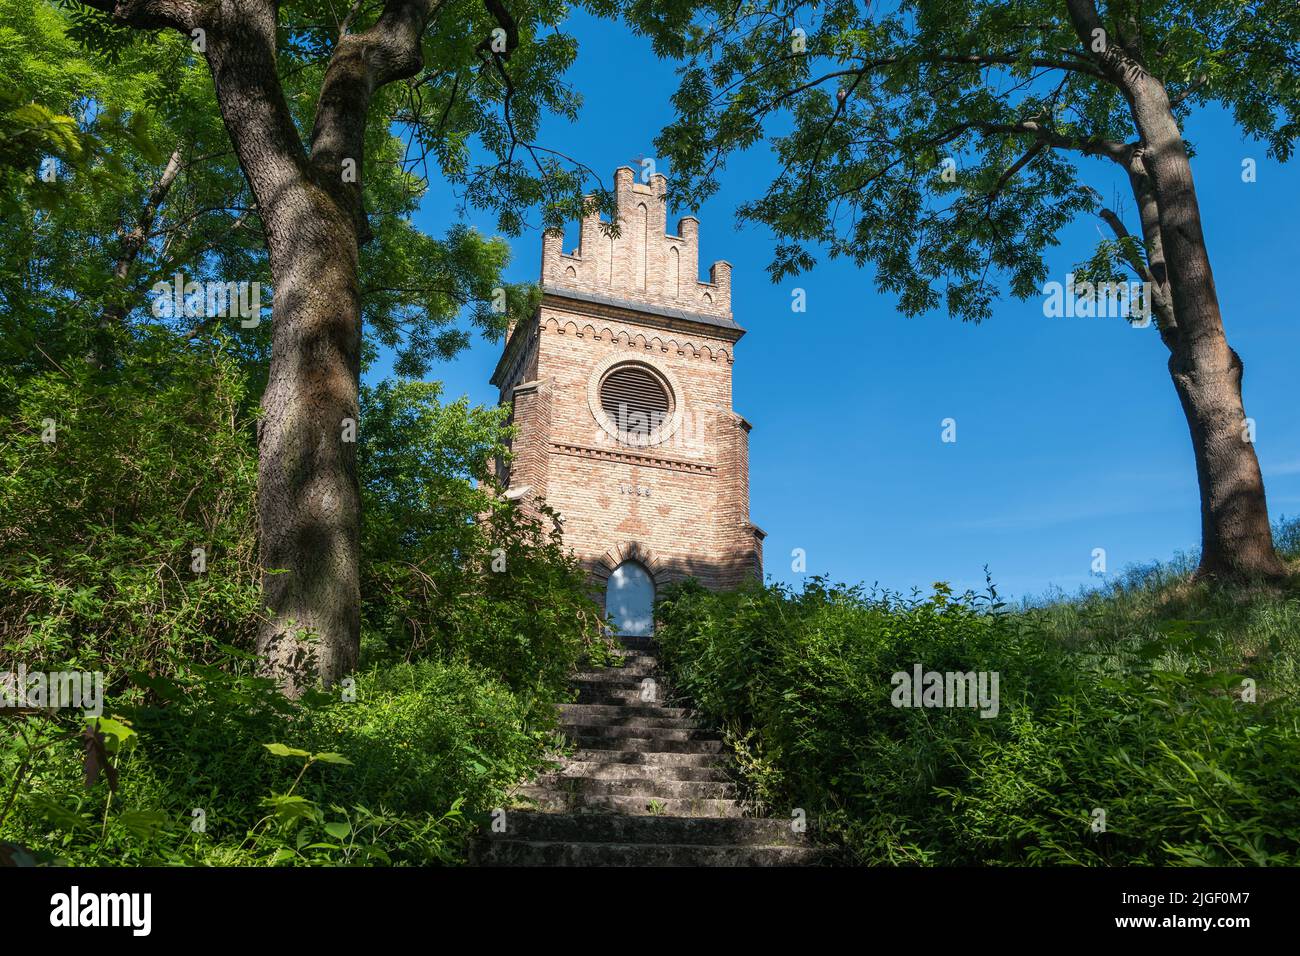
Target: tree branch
(362,62)
(1118,152)
(180,15)
(1015,167)
(131,241)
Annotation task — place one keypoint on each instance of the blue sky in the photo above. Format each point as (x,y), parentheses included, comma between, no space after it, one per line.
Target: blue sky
(1069,432)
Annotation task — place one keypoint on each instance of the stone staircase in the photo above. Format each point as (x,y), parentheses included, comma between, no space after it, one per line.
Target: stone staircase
(645,787)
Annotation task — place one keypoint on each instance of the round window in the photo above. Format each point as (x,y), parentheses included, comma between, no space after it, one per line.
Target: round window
(637,402)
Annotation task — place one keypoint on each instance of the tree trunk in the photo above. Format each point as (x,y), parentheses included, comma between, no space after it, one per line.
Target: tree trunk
(1236,540)
(309,503)
(308,499)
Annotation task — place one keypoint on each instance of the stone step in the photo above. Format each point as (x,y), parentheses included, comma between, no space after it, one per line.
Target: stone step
(616,676)
(637,727)
(613,677)
(648,787)
(631,708)
(620,828)
(645,759)
(627,698)
(603,740)
(621,663)
(550,800)
(528,853)
(672,707)
(607,713)
(618,770)
(624,687)
(631,726)
(637,658)
(641,644)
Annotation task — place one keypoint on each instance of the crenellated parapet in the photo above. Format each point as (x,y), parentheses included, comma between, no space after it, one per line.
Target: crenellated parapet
(643,263)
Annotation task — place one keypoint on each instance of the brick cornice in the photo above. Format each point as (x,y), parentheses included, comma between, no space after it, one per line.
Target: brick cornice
(639,313)
(614,333)
(633,458)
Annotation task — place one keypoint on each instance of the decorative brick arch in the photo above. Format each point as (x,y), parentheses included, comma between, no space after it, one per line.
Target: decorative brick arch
(629,551)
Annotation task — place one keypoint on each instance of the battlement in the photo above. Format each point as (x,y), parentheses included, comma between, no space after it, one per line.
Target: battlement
(644,263)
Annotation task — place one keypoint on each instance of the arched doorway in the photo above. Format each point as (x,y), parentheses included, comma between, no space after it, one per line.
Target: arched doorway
(630,599)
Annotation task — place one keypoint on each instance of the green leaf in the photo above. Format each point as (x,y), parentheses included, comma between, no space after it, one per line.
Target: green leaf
(331,757)
(144,824)
(117,733)
(289,807)
(338,829)
(280,750)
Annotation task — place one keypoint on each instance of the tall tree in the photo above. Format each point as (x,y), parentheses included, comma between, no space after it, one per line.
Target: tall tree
(451,72)
(867,107)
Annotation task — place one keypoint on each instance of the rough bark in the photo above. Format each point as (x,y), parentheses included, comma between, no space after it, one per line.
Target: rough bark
(308,498)
(308,507)
(1236,540)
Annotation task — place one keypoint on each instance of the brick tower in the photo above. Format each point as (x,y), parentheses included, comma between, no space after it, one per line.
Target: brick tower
(621,390)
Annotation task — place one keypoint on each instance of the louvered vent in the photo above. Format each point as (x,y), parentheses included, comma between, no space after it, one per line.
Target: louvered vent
(635,400)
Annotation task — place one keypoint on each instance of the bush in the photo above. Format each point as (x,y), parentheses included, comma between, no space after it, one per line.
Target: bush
(109,481)
(153,457)
(1184,770)
(451,570)
(401,774)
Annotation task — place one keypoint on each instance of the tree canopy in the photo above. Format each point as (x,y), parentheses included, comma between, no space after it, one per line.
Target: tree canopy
(863,103)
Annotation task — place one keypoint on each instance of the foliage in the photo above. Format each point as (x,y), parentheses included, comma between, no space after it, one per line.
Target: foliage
(113,106)
(1186,771)
(62,240)
(865,107)
(500,590)
(1198,626)
(153,457)
(128,459)
(399,776)
(109,482)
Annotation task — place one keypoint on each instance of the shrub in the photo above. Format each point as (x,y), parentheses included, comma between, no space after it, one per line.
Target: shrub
(1185,771)
(452,571)
(153,457)
(424,751)
(109,481)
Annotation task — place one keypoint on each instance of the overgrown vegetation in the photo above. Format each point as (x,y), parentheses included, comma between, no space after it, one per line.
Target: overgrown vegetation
(130,551)
(128,482)
(1129,701)
(116,480)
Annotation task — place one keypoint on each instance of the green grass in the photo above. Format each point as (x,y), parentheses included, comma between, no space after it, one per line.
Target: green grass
(1131,704)
(1200,627)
